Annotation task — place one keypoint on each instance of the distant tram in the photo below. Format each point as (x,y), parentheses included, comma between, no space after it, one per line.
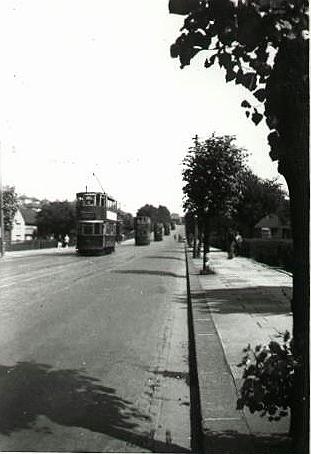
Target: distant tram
(158,231)
(96,222)
(167,228)
(142,230)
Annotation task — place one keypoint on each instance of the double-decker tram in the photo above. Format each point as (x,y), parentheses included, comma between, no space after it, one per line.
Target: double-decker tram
(96,222)
(167,228)
(142,230)
(158,231)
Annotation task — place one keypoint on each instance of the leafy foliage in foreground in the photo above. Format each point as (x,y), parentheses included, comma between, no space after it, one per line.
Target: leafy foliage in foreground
(242,38)
(268,378)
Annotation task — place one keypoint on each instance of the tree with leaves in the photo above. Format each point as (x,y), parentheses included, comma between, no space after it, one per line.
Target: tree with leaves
(150,211)
(160,214)
(260,197)
(264,46)
(10,206)
(56,218)
(164,215)
(126,221)
(212,174)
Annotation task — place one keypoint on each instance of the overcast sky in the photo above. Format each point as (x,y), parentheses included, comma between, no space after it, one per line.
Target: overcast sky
(89,86)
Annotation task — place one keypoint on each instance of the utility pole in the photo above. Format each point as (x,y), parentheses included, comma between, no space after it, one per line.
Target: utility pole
(1,207)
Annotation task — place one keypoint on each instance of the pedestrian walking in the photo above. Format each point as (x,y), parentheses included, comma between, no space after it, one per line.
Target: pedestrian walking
(231,244)
(238,241)
(59,242)
(66,240)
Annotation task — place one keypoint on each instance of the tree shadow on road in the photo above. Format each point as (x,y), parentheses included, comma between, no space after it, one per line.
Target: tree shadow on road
(164,257)
(174,251)
(253,300)
(151,272)
(233,442)
(69,398)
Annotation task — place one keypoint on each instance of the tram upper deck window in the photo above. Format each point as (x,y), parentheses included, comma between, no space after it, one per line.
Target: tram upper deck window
(89,200)
(111,204)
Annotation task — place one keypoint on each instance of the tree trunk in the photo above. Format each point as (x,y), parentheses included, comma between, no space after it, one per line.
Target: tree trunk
(298,185)
(195,238)
(289,104)
(296,172)
(205,244)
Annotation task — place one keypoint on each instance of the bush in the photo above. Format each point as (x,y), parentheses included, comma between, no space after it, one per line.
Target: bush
(272,252)
(218,242)
(268,379)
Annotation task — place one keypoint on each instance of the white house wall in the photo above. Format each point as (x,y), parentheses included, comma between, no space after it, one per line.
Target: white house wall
(18,227)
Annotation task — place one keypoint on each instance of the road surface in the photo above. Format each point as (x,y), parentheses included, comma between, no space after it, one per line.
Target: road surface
(94,353)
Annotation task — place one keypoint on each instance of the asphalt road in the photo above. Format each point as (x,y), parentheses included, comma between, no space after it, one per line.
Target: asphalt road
(94,353)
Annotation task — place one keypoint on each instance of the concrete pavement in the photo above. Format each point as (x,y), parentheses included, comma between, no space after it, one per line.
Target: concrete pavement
(241,302)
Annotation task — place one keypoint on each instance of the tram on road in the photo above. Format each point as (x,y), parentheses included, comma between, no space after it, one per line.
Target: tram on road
(167,228)
(158,231)
(96,222)
(142,230)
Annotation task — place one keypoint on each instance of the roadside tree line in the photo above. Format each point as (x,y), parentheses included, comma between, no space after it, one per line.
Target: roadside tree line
(221,193)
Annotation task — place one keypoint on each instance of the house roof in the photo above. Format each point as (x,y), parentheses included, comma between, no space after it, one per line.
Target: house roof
(29,216)
(271,221)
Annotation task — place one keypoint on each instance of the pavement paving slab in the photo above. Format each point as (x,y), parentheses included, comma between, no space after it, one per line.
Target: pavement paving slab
(240,302)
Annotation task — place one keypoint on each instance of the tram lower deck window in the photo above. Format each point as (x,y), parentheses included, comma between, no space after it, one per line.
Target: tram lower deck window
(88,229)
(97,229)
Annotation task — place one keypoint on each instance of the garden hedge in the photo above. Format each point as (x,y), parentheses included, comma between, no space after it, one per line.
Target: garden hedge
(273,252)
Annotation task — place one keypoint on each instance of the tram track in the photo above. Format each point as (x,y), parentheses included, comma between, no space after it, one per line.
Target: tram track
(93,268)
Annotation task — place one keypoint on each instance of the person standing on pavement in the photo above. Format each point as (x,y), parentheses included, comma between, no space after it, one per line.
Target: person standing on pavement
(238,241)
(66,240)
(231,244)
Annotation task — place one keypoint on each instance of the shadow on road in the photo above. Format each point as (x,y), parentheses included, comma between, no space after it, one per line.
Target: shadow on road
(69,398)
(232,442)
(253,300)
(151,272)
(165,257)
(174,251)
